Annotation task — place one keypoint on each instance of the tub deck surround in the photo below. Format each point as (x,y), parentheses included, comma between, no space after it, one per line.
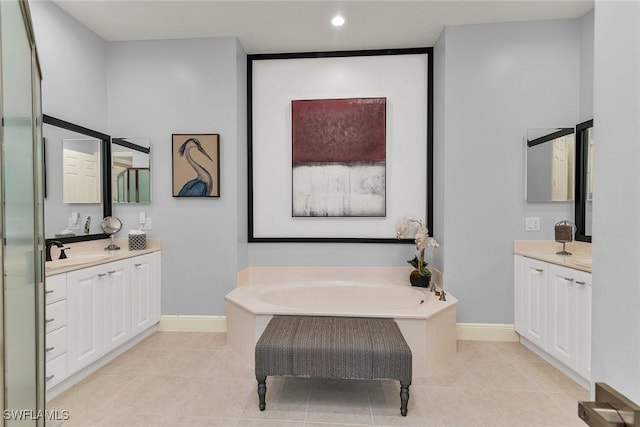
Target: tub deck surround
(428,325)
(545,250)
(88,254)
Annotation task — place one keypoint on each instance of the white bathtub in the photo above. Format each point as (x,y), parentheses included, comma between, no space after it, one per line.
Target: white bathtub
(341,297)
(428,325)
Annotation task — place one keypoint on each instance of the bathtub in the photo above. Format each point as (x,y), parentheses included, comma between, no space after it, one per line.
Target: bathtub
(428,325)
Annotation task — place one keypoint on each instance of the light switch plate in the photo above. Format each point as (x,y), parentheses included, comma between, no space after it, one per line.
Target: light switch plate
(147,224)
(532,223)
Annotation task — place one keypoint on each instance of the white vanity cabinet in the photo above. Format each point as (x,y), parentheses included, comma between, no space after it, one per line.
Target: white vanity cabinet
(553,311)
(104,307)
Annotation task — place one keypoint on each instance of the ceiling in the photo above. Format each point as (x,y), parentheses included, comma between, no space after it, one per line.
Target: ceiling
(299,26)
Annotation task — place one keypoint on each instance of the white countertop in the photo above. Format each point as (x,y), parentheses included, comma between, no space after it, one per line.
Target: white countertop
(87,254)
(545,250)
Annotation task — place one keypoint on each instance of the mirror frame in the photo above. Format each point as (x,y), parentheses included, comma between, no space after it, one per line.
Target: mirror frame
(105,153)
(582,151)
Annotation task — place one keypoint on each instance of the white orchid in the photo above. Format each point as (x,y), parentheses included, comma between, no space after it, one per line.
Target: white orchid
(410,226)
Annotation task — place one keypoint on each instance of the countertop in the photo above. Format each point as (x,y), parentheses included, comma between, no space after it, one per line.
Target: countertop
(87,254)
(545,250)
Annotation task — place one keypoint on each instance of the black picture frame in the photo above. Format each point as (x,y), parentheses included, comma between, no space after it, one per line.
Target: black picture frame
(339,54)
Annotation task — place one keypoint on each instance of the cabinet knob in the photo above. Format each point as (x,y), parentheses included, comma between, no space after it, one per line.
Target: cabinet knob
(102,274)
(49,378)
(580,283)
(50,291)
(48,349)
(569,279)
(539,270)
(111,272)
(49,320)
(137,265)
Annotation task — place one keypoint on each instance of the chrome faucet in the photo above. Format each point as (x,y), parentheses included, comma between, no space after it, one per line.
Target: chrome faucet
(48,248)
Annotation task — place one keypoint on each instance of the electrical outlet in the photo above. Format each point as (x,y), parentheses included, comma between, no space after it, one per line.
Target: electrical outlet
(532,223)
(147,224)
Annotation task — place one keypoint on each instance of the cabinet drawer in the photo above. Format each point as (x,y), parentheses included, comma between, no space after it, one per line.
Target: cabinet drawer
(56,370)
(55,343)
(55,288)
(55,315)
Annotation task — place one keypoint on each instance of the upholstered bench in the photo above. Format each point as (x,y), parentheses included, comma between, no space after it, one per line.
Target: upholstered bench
(333,347)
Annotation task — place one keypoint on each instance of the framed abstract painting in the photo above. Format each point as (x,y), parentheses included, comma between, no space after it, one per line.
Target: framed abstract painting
(196,165)
(338,164)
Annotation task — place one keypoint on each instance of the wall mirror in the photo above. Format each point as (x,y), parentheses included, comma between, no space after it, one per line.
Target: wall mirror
(550,165)
(584,180)
(77,173)
(131,170)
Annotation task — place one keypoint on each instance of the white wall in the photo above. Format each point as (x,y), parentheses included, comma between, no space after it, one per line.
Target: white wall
(616,205)
(500,80)
(156,88)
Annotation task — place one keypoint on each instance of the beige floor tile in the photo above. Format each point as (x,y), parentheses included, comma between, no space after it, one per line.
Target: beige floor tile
(478,351)
(339,401)
(548,378)
(269,423)
(215,397)
(497,375)
(286,399)
(385,406)
(194,379)
(516,352)
(453,373)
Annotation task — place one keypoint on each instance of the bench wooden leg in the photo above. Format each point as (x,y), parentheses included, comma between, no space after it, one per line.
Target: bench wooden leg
(404,397)
(262,391)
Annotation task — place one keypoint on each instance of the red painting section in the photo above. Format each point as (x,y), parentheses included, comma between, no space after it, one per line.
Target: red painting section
(339,130)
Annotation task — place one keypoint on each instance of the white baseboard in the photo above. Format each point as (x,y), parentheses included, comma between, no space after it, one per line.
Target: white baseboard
(486,332)
(465,331)
(179,323)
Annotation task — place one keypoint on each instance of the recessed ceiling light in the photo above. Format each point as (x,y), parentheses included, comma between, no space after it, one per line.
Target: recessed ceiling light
(337,21)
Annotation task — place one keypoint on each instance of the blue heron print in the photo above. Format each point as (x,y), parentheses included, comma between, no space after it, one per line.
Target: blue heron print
(202,184)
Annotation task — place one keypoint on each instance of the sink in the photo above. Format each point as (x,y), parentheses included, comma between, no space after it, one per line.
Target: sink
(78,259)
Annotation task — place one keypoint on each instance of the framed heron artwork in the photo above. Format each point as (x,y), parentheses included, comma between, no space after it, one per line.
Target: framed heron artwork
(196,165)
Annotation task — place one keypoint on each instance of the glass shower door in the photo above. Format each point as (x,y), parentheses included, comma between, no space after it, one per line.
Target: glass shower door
(21,208)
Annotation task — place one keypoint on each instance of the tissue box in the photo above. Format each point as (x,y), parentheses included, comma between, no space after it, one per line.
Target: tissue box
(137,242)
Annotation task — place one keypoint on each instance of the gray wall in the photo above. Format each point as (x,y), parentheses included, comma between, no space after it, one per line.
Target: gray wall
(73,62)
(616,205)
(492,83)
(500,80)
(156,88)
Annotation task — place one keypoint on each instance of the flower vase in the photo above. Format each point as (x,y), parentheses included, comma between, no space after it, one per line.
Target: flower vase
(418,280)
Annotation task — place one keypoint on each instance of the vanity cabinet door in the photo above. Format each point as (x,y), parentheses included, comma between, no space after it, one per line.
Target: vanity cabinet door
(85,323)
(531,300)
(563,312)
(156,303)
(142,292)
(117,309)
(583,353)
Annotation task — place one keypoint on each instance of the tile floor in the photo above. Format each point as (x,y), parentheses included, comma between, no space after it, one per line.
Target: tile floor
(193,379)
